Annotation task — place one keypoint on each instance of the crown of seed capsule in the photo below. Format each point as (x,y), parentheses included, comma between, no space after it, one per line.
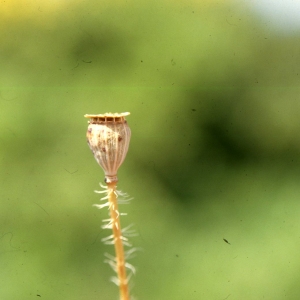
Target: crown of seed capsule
(108,137)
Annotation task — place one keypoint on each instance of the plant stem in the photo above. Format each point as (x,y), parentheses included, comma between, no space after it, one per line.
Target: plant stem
(119,249)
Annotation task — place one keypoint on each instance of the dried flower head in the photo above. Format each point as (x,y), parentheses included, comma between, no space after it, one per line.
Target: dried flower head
(108,137)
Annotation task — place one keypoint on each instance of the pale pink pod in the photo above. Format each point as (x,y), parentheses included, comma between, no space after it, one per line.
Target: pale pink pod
(108,137)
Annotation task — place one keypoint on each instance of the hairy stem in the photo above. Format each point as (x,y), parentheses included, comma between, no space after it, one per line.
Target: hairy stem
(119,249)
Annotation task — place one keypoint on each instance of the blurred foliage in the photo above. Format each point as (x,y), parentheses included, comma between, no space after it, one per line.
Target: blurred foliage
(213,92)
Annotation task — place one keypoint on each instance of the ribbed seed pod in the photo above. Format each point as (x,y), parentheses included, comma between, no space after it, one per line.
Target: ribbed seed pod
(108,137)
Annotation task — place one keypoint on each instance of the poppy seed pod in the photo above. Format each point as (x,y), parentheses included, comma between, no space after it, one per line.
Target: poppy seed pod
(108,137)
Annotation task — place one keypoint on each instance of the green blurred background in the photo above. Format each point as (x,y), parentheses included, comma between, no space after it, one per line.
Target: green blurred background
(213,91)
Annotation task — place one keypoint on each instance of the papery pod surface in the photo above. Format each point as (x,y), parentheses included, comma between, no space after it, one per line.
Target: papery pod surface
(108,137)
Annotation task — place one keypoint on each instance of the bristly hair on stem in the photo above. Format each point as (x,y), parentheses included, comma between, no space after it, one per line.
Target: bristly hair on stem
(119,237)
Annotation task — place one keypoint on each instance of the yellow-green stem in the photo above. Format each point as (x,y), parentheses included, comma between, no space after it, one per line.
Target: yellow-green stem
(119,249)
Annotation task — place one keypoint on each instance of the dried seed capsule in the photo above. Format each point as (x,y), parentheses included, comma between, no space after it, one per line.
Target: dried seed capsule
(108,137)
